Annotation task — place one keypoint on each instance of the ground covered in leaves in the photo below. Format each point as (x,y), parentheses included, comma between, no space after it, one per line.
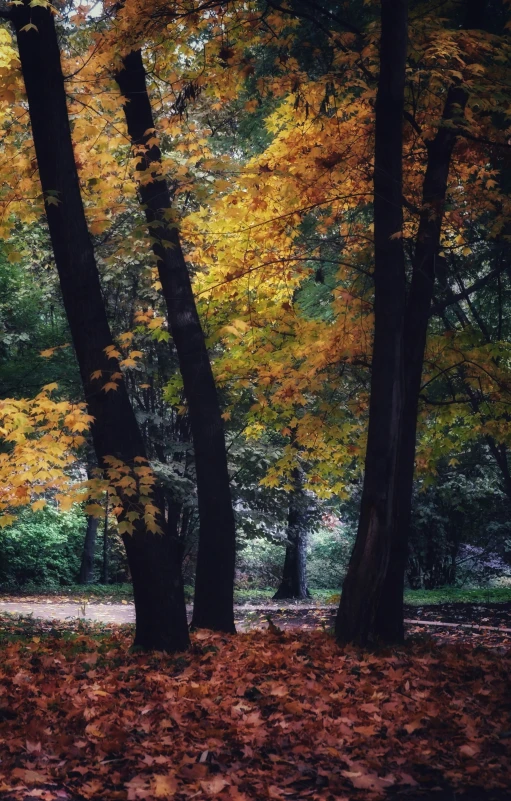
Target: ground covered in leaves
(261,715)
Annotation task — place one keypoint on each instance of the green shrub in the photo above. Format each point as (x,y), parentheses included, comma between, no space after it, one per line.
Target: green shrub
(42,549)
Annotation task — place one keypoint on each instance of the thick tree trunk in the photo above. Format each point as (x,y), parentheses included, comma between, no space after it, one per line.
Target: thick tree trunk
(389,623)
(294,574)
(89,547)
(159,600)
(214,585)
(363,585)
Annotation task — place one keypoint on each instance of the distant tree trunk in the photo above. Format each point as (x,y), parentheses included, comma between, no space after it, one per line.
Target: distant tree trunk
(363,585)
(294,575)
(105,566)
(89,547)
(157,586)
(214,584)
(389,626)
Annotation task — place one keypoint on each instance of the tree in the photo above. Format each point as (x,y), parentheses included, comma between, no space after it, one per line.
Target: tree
(214,584)
(159,599)
(294,574)
(363,585)
(89,548)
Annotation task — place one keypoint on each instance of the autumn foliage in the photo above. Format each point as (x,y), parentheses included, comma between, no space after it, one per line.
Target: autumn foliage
(260,715)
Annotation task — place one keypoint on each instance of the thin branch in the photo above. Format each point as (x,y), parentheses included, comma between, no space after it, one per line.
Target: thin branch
(439,307)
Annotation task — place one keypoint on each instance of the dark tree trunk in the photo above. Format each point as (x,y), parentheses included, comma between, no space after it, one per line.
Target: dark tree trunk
(294,574)
(389,625)
(89,547)
(214,585)
(159,600)
(105,567)
(362,589)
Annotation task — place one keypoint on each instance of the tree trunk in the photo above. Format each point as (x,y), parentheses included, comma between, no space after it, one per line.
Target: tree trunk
(294,575)
(363,585)
(89,547)
(105,567)
(389,622)
(214,585)
(159,600)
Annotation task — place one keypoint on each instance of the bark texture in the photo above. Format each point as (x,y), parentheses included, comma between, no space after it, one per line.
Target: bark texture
(89,547)
(362,589)
(389,626)
(294,574)
(158,593)
(214,585)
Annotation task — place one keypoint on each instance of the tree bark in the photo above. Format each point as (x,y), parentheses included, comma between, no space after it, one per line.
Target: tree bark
(363,585)
(214,585)
(105,567)
(89,546)
(158,593)
(389,626)
(294,574)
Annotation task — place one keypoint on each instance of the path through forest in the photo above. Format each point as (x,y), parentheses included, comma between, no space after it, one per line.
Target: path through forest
(488,623)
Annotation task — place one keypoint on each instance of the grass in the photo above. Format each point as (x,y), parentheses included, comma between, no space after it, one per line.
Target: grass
(93,592)
(116,593)
(450,595)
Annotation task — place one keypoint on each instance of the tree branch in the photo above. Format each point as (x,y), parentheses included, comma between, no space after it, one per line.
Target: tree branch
(439,307)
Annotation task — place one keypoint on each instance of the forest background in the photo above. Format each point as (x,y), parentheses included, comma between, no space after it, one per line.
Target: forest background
(264,117)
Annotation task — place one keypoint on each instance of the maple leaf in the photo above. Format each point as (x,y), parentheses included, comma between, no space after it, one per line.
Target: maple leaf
(214,786)
(28,776)
(37,505)
(164,786)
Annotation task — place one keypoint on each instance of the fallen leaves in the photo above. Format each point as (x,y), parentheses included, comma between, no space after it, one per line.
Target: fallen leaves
(260,715)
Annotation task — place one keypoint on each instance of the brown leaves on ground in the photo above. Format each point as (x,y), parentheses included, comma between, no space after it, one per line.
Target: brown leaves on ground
(257,716)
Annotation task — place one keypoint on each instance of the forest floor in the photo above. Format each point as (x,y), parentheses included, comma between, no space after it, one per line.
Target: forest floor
(260,716)
(485,624)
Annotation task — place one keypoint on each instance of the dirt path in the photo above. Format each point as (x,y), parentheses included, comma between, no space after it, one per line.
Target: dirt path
(489,625)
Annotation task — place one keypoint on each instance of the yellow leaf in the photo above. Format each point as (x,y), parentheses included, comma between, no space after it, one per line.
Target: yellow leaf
(112,352)
(126,528)
(110,385)
(94,510)
(47,353)
(37,505)
(164,786)
(65,502)
(156,322)
(96,374)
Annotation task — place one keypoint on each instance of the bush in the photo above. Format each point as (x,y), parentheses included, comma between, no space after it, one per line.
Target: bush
(328,555)
(260,561)
(42,549)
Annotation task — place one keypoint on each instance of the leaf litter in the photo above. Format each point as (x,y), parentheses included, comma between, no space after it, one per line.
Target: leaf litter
(261,715)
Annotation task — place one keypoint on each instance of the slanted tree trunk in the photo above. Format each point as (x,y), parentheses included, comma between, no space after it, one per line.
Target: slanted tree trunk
(214,584)
(89,547)
(363,585)
(389,622)
(157,586)
(294,574)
